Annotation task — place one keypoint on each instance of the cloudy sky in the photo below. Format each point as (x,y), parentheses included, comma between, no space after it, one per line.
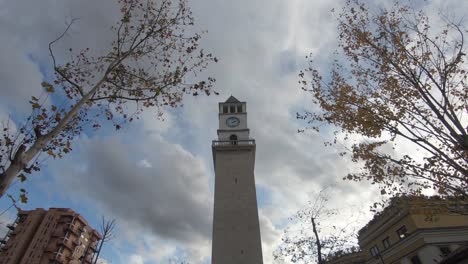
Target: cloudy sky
(155,177)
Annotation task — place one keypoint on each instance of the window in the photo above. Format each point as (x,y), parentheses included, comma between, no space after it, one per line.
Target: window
(235,180)
(239,108)
(233,139)
(374,251)
(402,232)
(225,109)
(415,260)
(386,242)
(232,109)
(445,251)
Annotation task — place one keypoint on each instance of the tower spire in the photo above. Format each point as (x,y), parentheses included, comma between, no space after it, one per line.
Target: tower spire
(232,99)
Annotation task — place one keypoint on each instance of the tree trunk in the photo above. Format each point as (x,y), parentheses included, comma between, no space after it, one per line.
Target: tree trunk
(317,242)
(98,251)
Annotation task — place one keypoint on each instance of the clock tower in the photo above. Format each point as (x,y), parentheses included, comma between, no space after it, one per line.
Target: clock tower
(236,229)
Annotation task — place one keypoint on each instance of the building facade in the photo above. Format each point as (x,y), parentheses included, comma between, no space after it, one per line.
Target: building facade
(413,230)
(236,229)
(54,236)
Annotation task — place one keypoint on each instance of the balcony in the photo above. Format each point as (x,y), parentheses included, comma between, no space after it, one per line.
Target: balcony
(74,229)
(68,243)
(89,259)
(233,143)
(56,258)
(66,219)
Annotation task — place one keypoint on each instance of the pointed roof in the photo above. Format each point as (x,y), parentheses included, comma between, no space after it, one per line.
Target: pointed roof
(232,99)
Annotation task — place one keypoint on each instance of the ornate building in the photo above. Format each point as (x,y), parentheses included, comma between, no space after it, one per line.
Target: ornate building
(413,230)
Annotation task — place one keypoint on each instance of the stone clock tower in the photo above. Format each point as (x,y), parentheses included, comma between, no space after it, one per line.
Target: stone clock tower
(236,230)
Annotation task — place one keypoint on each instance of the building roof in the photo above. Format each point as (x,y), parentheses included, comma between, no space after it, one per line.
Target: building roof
(64,211)
(405,204)
(232,99)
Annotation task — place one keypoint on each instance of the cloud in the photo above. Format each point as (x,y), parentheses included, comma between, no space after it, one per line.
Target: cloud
(135,259)
(170,198)
(271,237)
(27,27)
(102,261)
(20,77)
(287,62)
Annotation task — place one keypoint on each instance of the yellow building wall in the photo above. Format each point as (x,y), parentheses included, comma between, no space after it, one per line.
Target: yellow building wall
(390,232)
(439,220)
(395,259)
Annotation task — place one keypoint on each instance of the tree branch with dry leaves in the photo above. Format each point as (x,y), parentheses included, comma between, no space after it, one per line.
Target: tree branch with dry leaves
(402,82)
(151,64)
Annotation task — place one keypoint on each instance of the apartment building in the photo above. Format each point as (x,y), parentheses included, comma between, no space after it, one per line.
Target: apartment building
(54,236)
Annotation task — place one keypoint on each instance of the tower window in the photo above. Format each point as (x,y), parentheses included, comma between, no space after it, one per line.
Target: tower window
(225,109)
(233,139)
(232,109)
(239,108)
(235,180)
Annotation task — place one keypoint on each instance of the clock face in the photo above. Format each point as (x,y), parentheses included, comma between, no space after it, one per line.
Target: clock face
(232,121)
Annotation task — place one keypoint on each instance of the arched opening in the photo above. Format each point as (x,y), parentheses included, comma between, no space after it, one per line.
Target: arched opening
(233,139)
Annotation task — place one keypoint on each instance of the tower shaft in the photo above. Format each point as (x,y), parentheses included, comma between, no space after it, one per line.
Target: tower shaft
(236,230)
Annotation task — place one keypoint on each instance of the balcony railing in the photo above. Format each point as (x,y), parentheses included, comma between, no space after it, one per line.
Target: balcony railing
(67,242)
(241,142)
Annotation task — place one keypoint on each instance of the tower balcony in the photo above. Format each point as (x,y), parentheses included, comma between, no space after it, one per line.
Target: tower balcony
(233,143)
